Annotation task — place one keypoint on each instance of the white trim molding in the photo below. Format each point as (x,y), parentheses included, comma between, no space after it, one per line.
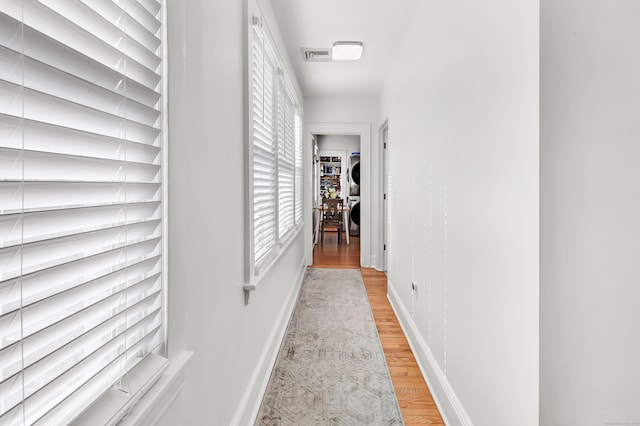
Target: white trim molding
(152,406)
(374,262)
(450,407)
(367,233)
(250,404)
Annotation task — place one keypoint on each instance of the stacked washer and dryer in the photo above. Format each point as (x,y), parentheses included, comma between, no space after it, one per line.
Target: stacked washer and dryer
(354,193)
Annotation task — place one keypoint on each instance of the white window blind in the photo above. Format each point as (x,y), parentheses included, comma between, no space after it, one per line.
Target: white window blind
(298,167)
(275,189)
(81,292)
(264,150)
(286,156)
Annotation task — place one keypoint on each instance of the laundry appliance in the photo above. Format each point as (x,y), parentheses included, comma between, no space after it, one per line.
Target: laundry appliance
(354,215)
(354,193)
(354,174)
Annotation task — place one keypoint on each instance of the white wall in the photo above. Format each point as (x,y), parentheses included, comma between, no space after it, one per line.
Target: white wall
(462,107)
(333,109)
(356,110)
(348,143)
(590,210)
(232,342)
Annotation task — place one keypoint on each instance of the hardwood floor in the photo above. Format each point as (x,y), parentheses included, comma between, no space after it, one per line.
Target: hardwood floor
(415,400)
(332,255)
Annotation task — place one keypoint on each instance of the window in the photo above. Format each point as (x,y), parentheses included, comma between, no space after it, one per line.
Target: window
(81,223)
(298,166)
(263,80)
(286,156)
(276,152)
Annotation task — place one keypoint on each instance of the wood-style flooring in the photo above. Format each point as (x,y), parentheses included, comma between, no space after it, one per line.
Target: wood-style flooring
(415,400)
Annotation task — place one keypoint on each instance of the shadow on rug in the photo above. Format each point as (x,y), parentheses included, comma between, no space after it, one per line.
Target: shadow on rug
(331,368)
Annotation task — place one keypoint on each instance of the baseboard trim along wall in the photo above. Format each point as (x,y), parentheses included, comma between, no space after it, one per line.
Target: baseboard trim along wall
(374,262)
(451,409)
(250,403)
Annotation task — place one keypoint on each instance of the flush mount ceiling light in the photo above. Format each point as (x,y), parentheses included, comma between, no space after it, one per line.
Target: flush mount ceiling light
(346,51)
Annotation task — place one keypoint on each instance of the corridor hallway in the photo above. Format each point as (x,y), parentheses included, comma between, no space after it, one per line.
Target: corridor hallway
(416,404)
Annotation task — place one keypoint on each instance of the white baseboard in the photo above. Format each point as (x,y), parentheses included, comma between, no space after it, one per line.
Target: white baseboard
(451,409)
(252,398)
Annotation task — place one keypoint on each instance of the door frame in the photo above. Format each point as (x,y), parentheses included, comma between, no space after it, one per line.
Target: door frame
(367,232)
(384,194)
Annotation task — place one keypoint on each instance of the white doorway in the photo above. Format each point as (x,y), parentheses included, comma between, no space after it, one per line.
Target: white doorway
(364,132)
(346,147)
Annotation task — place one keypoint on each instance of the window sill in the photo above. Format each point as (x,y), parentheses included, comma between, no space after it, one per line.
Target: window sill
(153,387)
(282,247)
(155,402)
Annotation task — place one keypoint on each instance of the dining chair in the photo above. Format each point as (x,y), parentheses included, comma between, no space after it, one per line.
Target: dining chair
(332,216)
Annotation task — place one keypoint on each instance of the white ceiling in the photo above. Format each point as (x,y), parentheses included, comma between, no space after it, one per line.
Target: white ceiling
(379,24)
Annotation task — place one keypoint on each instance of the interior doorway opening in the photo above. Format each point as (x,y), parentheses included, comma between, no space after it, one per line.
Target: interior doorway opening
(363,131)
(336,175)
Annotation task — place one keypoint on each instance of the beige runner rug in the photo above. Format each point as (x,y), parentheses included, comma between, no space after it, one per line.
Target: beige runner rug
(331,368)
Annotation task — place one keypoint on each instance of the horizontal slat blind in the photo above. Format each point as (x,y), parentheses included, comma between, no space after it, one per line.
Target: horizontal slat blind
(80,201)
(285,159)
(298,166)
(276,171)
(263,78)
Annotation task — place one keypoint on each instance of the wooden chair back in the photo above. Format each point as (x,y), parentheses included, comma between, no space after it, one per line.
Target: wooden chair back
(332,212)
(332,216)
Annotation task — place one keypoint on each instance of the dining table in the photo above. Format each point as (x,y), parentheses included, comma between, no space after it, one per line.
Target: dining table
(318,209)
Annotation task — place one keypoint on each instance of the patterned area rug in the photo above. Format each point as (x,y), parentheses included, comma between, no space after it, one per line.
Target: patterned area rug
(331,369)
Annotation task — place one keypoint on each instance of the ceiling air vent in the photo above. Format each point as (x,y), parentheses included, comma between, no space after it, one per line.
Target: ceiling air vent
(316,55)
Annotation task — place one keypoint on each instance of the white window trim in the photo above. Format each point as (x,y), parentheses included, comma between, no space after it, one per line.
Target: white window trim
(254,273)
(152,390)
(152,396)
(156,381)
